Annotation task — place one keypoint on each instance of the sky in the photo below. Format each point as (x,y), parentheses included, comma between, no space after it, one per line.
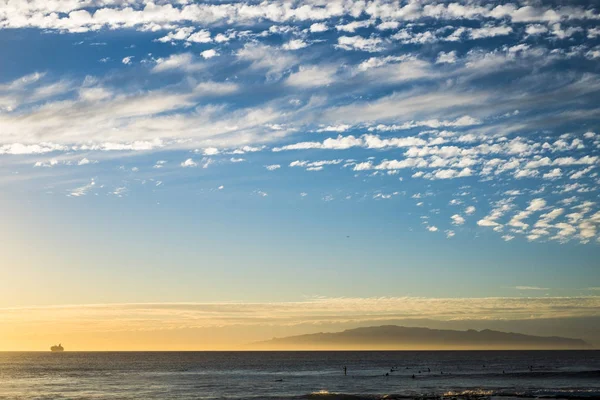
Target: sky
(200,174)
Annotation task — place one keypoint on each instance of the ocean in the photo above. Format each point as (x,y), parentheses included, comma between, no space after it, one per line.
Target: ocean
(300,375)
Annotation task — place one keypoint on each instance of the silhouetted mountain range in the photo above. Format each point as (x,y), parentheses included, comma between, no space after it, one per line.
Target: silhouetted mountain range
(392,337)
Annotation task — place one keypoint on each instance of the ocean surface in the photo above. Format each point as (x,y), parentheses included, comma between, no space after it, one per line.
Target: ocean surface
(300,375)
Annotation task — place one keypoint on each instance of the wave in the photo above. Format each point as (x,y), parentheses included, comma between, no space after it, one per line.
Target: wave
(470,394)
(530,375)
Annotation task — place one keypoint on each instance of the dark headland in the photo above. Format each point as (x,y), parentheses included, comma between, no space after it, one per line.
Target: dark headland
(392,337)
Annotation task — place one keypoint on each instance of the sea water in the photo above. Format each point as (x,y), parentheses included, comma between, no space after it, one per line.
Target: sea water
(298,375)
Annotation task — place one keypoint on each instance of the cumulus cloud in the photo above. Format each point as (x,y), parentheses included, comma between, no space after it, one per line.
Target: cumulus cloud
(318,27)
(184,62)
(461,122)
(80,17)
(457,219)
(372,44)
(346,142)
(210,53)
(446,58)
(295,44)
(210,151)
(314,165)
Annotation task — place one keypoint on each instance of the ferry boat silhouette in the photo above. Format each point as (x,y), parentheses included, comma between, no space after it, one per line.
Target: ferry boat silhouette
(58,348)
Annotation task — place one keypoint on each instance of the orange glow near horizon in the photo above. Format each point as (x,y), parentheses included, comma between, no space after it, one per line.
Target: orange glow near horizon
(232,326)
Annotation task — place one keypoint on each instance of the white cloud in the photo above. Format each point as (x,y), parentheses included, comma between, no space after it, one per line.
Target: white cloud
(335,128)
(564,33)
(351,27)
(202,36)
(21,149)
(312,76)
(526,173)
(272,167)
(346,142)
(553,174)
(388,25)
(176,35)
(184,62)
(531,288)
(318,27)
(314,165)
(536,205)
(432,123)
(581,173)
(457,219)
(210,53)
(127,60)
(295,44)
(70,16)
(263,57)
(85,161)
(189,163)
(489,31)
(82,190)
(449,174)
(446,58)
(119,191)
(216,88)
(372,44)
(536,29)
(501,207)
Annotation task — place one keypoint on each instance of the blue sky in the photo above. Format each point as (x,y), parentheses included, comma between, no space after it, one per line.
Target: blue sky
(277,151)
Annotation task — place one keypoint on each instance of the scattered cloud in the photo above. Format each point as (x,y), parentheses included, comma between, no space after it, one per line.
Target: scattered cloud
(189,163)
(530,288)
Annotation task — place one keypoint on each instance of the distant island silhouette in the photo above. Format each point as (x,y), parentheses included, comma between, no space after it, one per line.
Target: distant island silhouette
(392,337)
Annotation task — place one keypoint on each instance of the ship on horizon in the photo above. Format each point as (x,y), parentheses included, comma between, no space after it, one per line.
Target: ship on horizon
(58,348)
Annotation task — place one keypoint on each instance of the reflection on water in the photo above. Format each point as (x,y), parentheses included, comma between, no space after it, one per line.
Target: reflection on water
(240,375)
